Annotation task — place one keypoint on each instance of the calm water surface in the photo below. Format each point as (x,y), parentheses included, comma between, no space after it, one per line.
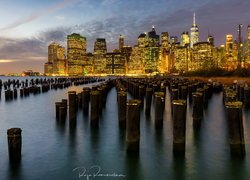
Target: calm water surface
(51,150)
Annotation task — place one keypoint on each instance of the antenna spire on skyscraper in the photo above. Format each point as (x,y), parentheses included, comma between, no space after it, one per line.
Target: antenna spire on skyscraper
(194,19)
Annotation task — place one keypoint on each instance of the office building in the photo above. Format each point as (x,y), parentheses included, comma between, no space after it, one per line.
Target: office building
(185,39)
(76,54)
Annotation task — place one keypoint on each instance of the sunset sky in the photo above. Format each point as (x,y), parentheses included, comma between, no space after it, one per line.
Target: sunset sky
(28,26)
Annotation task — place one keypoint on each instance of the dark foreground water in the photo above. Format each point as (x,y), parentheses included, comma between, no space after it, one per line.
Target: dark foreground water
(53,151)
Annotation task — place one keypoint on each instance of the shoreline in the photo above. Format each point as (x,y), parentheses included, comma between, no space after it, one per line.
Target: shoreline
(223,80)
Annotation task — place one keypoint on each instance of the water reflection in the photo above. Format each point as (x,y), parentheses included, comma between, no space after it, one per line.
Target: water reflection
(179,164)
(15,170)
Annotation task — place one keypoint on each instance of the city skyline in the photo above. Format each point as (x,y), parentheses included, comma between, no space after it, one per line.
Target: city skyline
(24,39)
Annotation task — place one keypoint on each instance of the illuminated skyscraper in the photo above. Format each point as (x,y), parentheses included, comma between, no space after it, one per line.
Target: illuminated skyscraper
(229,44)
(165,40)
(210,40)
(202,57)
(48,69)
(194,34)
(76,54)
(143,40)
(164,62)
(121,42)
(100,46)
(185,38)
(100,50)
(115,63)
(56,60)
(173,39)
(136,65)
(153,38)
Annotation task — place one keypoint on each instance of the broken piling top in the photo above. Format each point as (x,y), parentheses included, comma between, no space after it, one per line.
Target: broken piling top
(72,92)
(95,92)
(133,102)
(180,102)
(196,94)
(159,94)
(14,132)
(234,104)
(122,93)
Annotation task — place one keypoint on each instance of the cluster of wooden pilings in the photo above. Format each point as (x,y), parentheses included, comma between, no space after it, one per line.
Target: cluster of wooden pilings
(235,97)
(182,92)
(89,99)
(37,86)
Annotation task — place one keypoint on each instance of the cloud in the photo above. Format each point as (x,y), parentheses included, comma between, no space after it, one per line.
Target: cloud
(33,51)
(38,14)
(6,60)
(60,18)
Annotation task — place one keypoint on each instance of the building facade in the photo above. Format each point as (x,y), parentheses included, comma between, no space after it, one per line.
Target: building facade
(76,54)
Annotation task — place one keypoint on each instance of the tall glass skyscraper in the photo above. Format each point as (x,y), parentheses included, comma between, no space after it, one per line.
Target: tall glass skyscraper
(194,34)
(76,54)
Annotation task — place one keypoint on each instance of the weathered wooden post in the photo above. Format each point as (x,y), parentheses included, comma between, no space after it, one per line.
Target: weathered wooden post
(141,93)
(149,92)
(85,99)
(62,113)
(15,93)
(122,100)
(174,94)
(72,108)
(179,130)
(197,109)
(79,100)
(247,97)
(133,126)
(159,109)
(236,130)
(184,92)
(65,104)
(190,91)
(15,144)
(58,105)
(94,111)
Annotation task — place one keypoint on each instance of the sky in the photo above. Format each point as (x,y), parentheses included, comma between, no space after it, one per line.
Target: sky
(28,26)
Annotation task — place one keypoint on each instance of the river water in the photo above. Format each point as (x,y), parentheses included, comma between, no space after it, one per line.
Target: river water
(54,151)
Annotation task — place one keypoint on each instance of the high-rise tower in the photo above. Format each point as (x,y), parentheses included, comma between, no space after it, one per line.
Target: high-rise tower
(76,54)
(248,33)
(185,38)
(100,46)
(194,34)
(121,42)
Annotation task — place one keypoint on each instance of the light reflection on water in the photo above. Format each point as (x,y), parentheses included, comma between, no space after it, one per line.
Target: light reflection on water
(51,150)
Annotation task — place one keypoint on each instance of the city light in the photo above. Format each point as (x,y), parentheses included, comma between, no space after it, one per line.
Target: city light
(153,54)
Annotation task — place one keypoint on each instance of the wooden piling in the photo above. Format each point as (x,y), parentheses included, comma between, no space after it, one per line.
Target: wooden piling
(94,109)
(62,113)
(122,99)
(159,109)
(236,129)
(14,144)
(133,126)
(149,92)
(58,105)
(197,109)
(85,99)
(72,108)
(179,130)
